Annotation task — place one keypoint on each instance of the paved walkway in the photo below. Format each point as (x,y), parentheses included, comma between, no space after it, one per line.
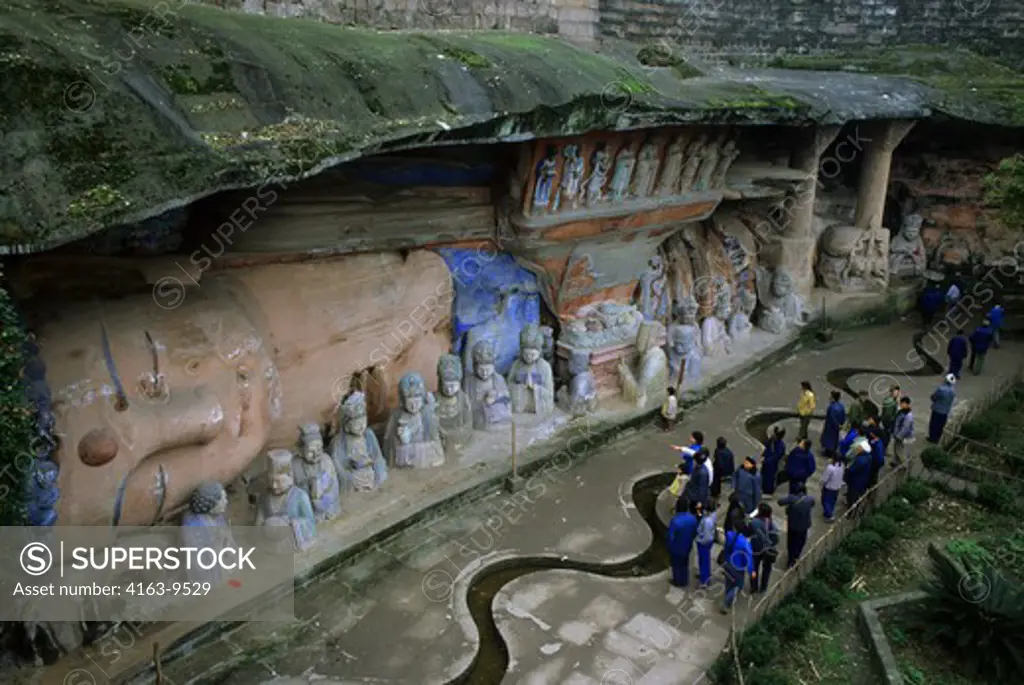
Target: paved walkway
(399,614)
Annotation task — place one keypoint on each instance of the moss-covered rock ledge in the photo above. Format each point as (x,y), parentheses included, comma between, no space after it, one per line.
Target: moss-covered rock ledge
(113,112)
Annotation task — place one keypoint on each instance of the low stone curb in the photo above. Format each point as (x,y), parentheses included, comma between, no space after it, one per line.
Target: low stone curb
(871,624)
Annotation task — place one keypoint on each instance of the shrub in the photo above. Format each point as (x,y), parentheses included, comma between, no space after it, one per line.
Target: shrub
(819,596)
(17,416)
(934,457)
(723,670)
(863,543)
(838,569)
(968,551)
(758,647)
(898,509)
(978,613)
(915,491)
(983,428)
(997,496)
(884,525)
(769,676)
(790,621)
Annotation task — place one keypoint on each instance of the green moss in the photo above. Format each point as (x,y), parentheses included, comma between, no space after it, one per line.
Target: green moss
(99,201)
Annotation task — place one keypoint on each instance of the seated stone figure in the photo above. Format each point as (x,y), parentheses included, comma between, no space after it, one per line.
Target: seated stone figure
(453,408)
(355,451)
(43,493)
(204,525)
(684,348)
(285,510)
(531,382)
(714,337)
(488,393)
(739,324)
(315,473)
(907,256)
(782,308)
(579,397)
(651,378)
(413,438)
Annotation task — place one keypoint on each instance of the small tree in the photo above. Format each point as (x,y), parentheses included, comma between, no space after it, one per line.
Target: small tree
(1004,190)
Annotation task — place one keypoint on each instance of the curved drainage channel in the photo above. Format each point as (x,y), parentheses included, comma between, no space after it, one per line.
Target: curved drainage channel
(492,658)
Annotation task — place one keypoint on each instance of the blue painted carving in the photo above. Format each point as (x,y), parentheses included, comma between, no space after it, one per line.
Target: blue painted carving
(41,490)
(494,298)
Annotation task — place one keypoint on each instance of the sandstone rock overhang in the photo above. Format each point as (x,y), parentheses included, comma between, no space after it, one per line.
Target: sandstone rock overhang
(114,111)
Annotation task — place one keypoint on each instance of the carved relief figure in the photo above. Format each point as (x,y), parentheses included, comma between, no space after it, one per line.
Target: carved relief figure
(624,164)
(285,510)
(549,344)
(907,256)
(413,438)
(668,183)
(572,179)
(714,337)
(43,493)
(739,324)
(599,167)
(530,379)
(654,291)
(694,157)
(708,165)
(355,450)
(453,408)
(579,397)
(204,525)
(684,347)
(781,306)
(544,180)
(646,170)
(488,393)
(853,259)
(652,377)
(728,155)
(315,473)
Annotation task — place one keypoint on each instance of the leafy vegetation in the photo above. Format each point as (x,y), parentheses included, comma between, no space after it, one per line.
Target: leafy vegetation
(934,457)
(17,417)
(997,495)
(863,543)
(1004,189)
(884,526)
(898,509)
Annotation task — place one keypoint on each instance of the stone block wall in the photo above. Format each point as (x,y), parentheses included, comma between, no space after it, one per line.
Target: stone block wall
(745,26)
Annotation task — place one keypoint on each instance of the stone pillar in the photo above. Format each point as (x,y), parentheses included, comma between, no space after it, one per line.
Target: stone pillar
(879,139)
(798,241)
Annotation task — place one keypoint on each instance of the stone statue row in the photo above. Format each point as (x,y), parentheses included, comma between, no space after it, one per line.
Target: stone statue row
(689,166)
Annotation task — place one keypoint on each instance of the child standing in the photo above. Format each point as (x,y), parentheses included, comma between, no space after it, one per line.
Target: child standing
(831,484)
(669,410)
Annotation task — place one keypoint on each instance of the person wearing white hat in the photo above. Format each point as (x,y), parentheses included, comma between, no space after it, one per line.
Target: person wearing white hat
(942,403)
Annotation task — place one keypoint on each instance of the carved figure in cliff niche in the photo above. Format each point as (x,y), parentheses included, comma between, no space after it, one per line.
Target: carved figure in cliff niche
(602,325)
(851,258)
(572,179)
(728,155)
(652,376)
(43,493)
(668,183)
(712,153)
(694,157)
(624,165)
(684,346)
(530,379)
(654,291)
(488,393)
(315,473)
(204,525)
(599,168)
(355,450)
(549,344)
(739,324)
(285,510)
(646,170)
(579,397)
(544,180)
(907,256)
(454,411)
(714,337)
(781,306)
(413,439)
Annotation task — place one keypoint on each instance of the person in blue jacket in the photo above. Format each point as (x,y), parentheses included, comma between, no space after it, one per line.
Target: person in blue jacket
(737,561)
(858,474)
(957,350)
(696,445)
(942,403)
(800,465)
(995,316)
(835,418)
(771,457)
(877,456)
(848,439)
(706,533)
(931,303)
(682,532)
(981,340)
(746,486)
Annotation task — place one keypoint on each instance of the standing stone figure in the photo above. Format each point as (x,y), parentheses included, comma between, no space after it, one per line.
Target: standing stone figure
(739,324)
(530,379)
(488,394)
(652,376)
(713,334)
(413,439)
(454,412)
(315,473)
(728,155)
(579,397)
(708,165)
(204,525)
(285,510)
(646,171)
(907,256)
(694,156)
(547,169)
(654,291)
(624,164)
(684,346)
(669,181)
(355,450)
(599,167)
(572,179)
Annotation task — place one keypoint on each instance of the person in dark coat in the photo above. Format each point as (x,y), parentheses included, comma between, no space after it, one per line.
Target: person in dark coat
(799,506)
(995,317)
(682,531)
(764,541)
(930,303)
(735,515)
(747,485)
(890,407)
(724,466)
(835,419)
(771,457)
(698,488)
(942,403)
(957,350)
(800,465)
(848,440)
(877,456)
(981,341)
(858,474)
